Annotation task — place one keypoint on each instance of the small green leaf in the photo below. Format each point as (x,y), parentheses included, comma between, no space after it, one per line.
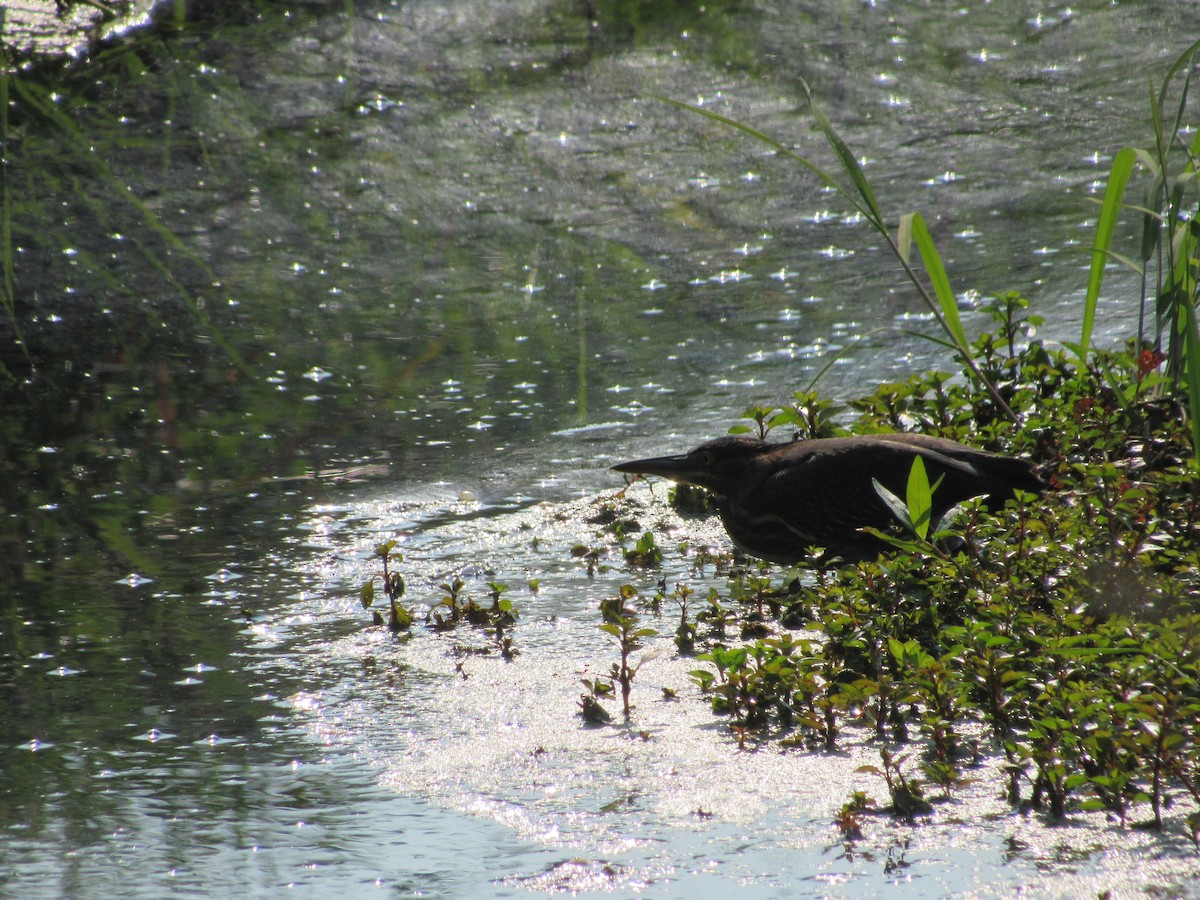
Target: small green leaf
(920,498)
(895,504)
(400,619)
(895,542)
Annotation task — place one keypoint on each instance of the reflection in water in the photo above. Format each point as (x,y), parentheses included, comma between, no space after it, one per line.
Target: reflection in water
(253,825)
(439,248)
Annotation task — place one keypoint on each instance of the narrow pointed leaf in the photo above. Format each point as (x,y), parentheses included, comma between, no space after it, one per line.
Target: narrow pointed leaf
(920,498)
(896,543)
(1110,209)
(1184,59)
(941,284)
(846,158)
(894,503)
(904,237)
(779,147)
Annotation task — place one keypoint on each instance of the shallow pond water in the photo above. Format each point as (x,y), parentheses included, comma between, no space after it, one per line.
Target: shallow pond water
(290,285)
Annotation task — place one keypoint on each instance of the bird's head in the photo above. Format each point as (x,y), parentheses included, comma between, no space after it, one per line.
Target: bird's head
(716,465)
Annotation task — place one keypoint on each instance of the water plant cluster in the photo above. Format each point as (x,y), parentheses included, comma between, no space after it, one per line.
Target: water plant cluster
(455,606)
(1062,635)
(1059,638)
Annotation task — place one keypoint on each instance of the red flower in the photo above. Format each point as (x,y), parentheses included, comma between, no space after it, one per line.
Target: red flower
(1149,360)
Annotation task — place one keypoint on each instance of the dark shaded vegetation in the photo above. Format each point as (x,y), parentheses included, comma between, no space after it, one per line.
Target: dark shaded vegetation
(1062,636)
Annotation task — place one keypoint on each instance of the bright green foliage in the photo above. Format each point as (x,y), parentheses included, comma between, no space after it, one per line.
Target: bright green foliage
(1170,245)
(1062,634)
(920,498)
(808,416)
(907,798)
(914,513)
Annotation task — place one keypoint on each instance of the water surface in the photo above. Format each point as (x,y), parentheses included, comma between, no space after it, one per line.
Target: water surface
(290,285)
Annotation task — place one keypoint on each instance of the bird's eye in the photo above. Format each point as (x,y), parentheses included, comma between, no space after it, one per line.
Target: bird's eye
(704,457)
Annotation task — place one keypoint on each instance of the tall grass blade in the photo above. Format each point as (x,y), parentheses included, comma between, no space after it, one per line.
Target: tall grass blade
(941,283)
(827,179)
(1184,59)
(834,357)
(1180,291)
(1110,210)
(846,157)
(1134,265)
(933,339)
(943,306)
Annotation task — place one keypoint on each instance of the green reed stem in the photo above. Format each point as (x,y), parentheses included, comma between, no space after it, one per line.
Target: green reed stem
(941,303)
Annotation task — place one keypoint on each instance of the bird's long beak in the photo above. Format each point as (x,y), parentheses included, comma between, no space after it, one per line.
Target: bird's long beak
(676,468)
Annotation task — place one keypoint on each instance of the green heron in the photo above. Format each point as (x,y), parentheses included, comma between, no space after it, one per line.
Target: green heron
(778,500)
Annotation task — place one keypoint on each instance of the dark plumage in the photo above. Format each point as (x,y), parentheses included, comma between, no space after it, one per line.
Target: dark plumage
(777,500)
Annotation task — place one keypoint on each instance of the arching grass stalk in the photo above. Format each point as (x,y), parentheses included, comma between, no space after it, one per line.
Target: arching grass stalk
(834,357)
(940,300)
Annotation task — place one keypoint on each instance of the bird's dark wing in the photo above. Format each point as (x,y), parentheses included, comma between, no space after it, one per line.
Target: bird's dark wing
(823,498)
(833,492)
(1000,475)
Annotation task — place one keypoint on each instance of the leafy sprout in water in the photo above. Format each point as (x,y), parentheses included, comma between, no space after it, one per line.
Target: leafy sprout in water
(645,553)
(622,624)
(399,618)
(907,798)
